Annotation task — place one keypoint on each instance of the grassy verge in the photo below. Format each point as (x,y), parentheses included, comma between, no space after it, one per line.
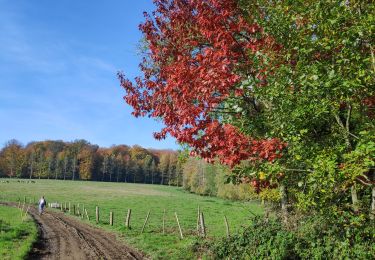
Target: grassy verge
(119,197)
(16,235)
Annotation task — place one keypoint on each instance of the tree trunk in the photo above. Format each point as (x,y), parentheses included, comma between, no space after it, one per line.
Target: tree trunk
(65,166)
(31,169)
(353,191)
(372,212)
(346,134)
(74,168)
(49,168)
(372,208)
(284,202)
(57,164)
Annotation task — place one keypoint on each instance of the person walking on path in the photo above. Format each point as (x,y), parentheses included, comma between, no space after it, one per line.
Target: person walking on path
(42,203)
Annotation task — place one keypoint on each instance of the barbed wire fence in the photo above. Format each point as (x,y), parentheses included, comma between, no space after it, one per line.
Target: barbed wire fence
(141,220)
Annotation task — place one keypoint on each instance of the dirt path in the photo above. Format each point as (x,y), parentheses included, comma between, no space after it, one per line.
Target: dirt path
(63,237)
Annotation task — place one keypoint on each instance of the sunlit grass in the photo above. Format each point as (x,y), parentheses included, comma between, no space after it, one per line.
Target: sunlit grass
(17,233)
(141,198)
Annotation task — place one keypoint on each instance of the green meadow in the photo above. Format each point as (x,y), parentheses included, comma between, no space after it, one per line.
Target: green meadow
(140,198)
(17,233)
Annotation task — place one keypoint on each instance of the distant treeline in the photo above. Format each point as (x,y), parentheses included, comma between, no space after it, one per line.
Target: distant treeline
(80,160)
(215,179)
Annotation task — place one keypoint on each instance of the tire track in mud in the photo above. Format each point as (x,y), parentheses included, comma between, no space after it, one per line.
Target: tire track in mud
(63,237)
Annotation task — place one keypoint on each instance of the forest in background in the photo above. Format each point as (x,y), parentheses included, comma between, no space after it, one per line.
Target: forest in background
(81,160)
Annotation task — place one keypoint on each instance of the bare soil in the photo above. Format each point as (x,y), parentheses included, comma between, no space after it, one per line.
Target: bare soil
(63,237)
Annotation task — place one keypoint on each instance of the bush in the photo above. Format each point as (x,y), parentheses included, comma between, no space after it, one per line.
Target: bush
(335,237)
(261,240)
(271,195)
(314,237)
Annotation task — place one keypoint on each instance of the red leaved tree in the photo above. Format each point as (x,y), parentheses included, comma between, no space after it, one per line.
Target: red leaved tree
(198,55)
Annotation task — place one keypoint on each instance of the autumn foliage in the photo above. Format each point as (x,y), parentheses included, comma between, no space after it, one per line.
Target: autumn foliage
(80,160)
(198,55)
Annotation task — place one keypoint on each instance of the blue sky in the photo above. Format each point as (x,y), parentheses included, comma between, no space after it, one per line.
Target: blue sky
(58,65)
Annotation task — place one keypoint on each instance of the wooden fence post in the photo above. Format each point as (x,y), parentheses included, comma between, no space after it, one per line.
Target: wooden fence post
(164,222)
(74,209)
(203,227)
(111,218)
(83,211)
(61,206)
(127,222)
(198,218)
(69,208)
(27,211)
(23,205)
(87,215)
(179,227)
(144,224)
(78,209)
(227,226)
(97,214)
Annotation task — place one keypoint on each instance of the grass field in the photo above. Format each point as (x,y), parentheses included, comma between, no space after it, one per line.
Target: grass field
(16,235)
(119,197)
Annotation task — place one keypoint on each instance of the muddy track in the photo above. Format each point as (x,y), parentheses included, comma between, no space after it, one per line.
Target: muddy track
(63,237)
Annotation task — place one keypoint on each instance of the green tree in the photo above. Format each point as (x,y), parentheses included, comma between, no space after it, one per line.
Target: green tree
(314,80)
(146,167)
(153,170)
(164,167)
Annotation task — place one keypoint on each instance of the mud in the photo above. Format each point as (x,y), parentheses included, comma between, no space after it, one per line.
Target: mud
(63,237)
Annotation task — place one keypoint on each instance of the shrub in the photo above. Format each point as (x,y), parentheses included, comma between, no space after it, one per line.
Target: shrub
(314,237)
(271,195)
(335,237)
(260,240)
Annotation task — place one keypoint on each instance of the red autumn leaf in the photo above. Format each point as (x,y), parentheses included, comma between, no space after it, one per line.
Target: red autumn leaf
(196,54)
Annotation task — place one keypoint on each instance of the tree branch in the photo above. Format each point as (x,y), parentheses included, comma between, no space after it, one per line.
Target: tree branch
(298,170)
(348,118)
